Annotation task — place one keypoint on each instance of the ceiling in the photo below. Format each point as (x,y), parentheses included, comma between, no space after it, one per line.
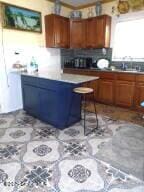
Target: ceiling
(79,4)
(76,3)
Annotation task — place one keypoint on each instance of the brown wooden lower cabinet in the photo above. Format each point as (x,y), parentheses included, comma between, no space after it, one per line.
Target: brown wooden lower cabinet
(106,91)
(121,89)
(124,95)
(139,95)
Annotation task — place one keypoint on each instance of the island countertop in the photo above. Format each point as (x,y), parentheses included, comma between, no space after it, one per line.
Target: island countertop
(60,76)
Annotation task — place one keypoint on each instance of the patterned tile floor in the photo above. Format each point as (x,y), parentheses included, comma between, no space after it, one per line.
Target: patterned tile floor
(119,113)
(35,157)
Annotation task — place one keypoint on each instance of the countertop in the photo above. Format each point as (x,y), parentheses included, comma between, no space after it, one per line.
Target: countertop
(106,70)
(60,76)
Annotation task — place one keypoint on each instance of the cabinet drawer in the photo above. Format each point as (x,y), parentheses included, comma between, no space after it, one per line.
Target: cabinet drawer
(126,77)
(107,75)
(94,73)
(30,80)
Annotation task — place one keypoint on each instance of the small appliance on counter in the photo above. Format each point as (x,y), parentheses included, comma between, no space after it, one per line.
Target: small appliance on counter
(100,63)
(79,62)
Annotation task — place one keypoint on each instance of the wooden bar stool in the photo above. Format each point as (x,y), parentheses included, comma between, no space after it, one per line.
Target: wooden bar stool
(83,91)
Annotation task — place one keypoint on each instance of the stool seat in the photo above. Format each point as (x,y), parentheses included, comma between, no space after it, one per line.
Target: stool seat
(83,90)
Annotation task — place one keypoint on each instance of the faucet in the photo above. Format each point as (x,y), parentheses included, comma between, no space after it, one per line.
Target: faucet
(124,66)
(131,61)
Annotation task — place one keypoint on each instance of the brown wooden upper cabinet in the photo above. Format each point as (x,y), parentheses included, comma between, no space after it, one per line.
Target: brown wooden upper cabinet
(98,32)
(91,33)
(57,31)
(77,33)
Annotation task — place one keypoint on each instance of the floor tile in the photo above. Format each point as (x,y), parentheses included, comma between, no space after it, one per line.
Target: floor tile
(16,135)
(36,176)
(11,152)
(125,183)
(44,133)
(51,160)
(80,175)
(42,151)
(8,173)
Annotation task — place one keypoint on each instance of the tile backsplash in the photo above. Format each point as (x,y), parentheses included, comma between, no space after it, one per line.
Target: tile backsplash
(95,54)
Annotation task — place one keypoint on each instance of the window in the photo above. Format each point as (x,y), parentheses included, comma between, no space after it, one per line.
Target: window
(129,40)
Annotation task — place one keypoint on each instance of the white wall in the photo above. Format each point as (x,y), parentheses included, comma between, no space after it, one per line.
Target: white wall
(28,44)
(30,38)
(106,9)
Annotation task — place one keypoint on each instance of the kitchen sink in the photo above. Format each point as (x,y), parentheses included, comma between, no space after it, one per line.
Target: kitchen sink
(129,70)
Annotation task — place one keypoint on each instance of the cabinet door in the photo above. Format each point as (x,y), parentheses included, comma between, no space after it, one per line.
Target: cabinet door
(47,105)
(30,99)
(106,91)
(65,35)
(100,32)
(139,95)
(125,93)
(91,33)
(77,33)
(49,31)
(61,32)
(103,31)
(57,31)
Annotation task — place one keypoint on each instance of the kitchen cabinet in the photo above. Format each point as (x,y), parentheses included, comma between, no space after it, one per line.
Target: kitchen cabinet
(94,86)
(106,91)
(98,32)
(51,101)
(103,31)
(125,93)
(115,88)
(106,88)
(57,31)
(77,33)
(125,89)
(91,33)
(139,96)
(30,99)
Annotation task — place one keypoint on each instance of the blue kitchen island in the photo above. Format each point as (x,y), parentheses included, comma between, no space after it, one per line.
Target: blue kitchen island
(49,97)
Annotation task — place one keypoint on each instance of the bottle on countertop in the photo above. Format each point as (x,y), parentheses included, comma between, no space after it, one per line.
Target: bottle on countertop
(33,66)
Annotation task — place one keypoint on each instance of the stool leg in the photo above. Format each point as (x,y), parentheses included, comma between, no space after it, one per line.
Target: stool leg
(81,106)
(84,115)
(95,111)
